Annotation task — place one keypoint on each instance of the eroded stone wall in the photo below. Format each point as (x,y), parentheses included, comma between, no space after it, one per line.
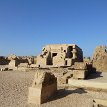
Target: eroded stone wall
(60,55)
(100,58)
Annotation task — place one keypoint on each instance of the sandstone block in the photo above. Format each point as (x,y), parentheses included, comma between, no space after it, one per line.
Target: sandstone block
(80,65)
(23,65)
(80,74)
(44,86)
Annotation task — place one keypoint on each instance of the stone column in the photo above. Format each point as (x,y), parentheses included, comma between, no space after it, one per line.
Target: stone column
(74,53)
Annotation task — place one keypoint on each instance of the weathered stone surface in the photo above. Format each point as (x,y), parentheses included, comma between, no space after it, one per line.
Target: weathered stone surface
(44,86)
(80,66)
(100,58)
(87,84)
(80,74)
(16,61)
(60,55)
(65,77)
(23,65)
(80,70)
(13,64)
(33,66)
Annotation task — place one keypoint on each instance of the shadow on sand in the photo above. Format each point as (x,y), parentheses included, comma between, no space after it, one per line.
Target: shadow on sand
(95,75)
(63,93)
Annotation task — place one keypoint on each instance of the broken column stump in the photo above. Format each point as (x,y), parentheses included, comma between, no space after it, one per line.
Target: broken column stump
(44,86)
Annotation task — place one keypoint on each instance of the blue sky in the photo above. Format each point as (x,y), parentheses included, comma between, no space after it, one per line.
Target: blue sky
(27,25)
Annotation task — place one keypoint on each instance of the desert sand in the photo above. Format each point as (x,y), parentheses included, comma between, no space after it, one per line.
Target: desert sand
(14,92)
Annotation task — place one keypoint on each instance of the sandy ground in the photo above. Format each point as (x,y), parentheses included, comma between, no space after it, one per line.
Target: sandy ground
(14,93)
(98,77)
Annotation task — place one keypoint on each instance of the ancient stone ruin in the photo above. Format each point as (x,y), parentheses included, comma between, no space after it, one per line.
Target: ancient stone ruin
(60,55)
(67,67)
(57,55)
(19,62)
(80,70)
(100,58)
(44,86)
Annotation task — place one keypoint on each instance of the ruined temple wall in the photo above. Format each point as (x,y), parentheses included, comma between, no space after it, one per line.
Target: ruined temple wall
(78,54)
(41,61)
(26,59)
(58,61)
(19,61)
(100,58)
(60,54)
(64,49)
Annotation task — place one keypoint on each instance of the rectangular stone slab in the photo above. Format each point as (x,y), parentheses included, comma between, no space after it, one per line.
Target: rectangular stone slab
(87,84)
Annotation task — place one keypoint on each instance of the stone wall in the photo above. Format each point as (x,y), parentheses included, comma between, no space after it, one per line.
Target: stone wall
(60,55)
(100,58)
